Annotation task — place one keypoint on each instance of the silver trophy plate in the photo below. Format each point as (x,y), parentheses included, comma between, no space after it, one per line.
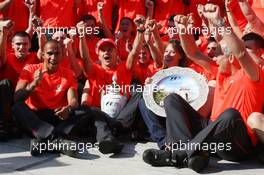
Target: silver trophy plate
(185,82)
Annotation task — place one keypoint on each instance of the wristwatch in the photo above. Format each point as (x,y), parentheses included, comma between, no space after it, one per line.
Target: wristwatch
(221,23)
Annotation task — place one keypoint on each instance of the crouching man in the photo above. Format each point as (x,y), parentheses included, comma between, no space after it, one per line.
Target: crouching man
(45,98)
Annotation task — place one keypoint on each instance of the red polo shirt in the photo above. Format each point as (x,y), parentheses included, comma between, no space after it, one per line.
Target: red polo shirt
(57,13)
(100,77)
(51,93)
(17,12)
(239,92)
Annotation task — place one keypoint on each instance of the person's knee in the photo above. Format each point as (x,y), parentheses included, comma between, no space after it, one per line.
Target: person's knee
(255,120)
(6,82)
(142,104)
(7,89)
(231,114)
(172,99)
(18,106)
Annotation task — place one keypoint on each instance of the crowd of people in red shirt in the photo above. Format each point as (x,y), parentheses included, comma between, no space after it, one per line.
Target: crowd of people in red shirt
(55,57)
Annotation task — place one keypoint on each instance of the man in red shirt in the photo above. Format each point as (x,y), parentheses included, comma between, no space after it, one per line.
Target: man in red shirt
(45,95)
(227,130)
(11,64)
(19,56)
(100,76)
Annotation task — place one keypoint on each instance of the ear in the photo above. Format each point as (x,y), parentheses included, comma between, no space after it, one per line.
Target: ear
(13,45)
(30,44)
(231,59)
(42,54)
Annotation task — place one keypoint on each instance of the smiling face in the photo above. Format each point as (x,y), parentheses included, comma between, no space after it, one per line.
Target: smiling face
(107,55)
(52,55)
(21,46)
(171,56)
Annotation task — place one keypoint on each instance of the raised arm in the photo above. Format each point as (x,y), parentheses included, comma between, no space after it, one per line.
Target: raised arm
(5,29)
(137,45)
(84,51)
(236,46)
(5,4)
(107,32)
(37,27)
(188,44)
(256,23)
(70,53)
(154,51)
(158,43)
(150,8)
(31,5)
(231,19)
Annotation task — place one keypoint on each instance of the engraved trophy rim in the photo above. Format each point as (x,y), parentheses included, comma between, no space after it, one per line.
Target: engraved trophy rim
(199,89)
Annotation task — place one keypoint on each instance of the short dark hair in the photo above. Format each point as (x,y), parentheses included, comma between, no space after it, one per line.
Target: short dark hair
(88,17)
(171,18)
(52,41)
(176,44)
(22,34)
(127,18)
(256,37)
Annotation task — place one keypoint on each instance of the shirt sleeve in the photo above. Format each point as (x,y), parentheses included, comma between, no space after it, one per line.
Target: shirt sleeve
(26,75)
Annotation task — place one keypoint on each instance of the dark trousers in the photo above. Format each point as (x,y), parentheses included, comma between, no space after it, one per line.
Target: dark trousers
(185,124)
(43,124)
(6,101)
(127,115)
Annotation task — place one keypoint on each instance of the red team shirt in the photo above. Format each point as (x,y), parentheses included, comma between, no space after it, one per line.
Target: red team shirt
(140,73)
(246,97)
(17,12)
(13,66)
(91,44)
(58,13)
(99,78)
(51,93)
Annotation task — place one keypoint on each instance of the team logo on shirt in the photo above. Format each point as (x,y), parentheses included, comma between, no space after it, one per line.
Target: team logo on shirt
(59,88)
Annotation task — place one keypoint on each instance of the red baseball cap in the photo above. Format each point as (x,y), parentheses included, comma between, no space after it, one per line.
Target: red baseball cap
(103,42)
